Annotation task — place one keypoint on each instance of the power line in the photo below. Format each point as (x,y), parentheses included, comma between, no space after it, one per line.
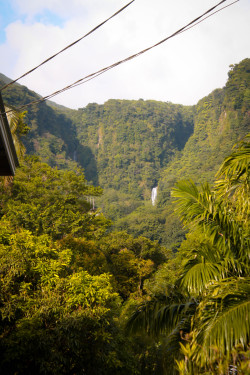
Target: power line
(101,71)
(210,15)
(67,47)
(91,76)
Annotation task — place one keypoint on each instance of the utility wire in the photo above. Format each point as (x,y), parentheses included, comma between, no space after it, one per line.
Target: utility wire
(210,15)
(91,76)
(67,47)
(182,30)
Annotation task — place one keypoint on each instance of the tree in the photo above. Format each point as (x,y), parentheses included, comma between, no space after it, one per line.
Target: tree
(131,260)
(58,306)
(47,200)
(211,324)
(53,320)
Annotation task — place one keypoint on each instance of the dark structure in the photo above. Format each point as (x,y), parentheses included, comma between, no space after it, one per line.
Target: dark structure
(8,156)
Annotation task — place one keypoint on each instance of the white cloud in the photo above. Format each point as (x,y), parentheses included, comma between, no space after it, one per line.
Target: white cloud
(64,8)
(182,70)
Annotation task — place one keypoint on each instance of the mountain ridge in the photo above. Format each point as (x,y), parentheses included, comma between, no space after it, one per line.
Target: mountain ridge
(130,146)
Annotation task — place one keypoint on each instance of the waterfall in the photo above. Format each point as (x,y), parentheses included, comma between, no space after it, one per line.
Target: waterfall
(154,195)
(74,156)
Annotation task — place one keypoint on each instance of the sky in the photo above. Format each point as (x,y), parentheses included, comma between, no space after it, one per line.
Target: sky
(182,70)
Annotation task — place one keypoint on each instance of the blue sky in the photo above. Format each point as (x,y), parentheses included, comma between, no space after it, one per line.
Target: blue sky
(8,15)
(183,70)
(49,18)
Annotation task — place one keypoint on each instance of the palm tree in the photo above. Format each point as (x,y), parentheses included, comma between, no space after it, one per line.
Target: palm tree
(215,278)
(18,129)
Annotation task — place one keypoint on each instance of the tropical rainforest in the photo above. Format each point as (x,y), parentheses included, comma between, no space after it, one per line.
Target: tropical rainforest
(95,277)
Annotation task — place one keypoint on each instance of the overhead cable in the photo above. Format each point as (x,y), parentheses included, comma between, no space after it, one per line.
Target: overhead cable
(67,47)
(101,71)
(91,76)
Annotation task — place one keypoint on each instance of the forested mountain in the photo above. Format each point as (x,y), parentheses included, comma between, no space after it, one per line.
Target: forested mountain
(132,141)
(122,144)
(52,135)
(82,294)
(220,120)
(70,292)
(128,147)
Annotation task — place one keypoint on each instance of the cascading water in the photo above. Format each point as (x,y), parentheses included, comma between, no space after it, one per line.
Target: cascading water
(154,195)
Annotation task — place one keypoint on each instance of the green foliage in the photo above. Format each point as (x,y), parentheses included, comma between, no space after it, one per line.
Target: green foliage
(218,125)
(56,317)
(133,140)
(62,277)
(237,87)
(235,183)
(18,129)
(51,201)
(116,204)
(52,134)
(222,319)
(128,147)
(208,313)
(131,260)
(86,254)
(67,285)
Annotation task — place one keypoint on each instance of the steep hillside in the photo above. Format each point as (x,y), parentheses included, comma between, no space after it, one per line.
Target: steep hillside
(128,147)
(52,133)
(220,120)
(122,144)
(132,141)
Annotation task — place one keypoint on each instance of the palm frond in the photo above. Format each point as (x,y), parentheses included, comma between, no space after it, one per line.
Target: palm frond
(161,316)
(202,267)
(223,318)
(143,317)
(237,163)
(202,208)
(174,315)
(234,179)
(206,265)
(18,128)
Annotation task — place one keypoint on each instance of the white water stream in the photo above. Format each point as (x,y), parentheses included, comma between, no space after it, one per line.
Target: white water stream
(154,195)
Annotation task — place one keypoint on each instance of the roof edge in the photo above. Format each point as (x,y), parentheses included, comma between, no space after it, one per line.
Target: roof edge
(9,147)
